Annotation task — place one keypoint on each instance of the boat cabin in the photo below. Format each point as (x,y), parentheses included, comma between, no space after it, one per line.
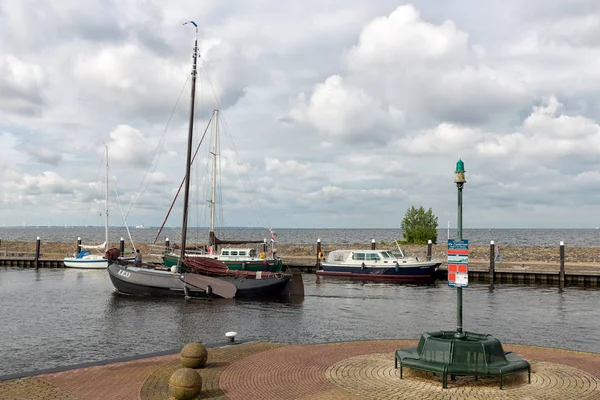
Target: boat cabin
(360,256)
(234,253)
(351,257)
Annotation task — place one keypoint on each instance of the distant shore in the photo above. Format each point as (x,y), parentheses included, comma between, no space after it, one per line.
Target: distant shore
(479,254)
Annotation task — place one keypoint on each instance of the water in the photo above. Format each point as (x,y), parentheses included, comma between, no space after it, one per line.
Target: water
(61,317)
(507,237)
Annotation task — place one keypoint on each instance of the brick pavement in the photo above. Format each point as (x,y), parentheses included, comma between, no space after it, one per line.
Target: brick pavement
(336,371)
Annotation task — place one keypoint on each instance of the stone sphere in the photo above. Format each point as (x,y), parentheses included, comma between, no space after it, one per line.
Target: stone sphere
(185,384)
(194,355)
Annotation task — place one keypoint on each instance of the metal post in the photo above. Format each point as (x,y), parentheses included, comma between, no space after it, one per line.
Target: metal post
(122,246)
(319,253)
(561,276)
(429,245)
(459,310)
(265,246)
(372,244)
(459,179)
(492,261)
(167,245)
(78,245)
(37,252)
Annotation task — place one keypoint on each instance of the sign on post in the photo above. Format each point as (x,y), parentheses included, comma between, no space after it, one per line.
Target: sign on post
(458,263)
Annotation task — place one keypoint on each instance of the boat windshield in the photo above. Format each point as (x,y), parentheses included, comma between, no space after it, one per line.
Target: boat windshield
(387,254)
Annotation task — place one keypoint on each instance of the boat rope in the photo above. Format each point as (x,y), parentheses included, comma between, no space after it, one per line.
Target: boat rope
(152,165)
(121,210)
(181,184)
(261,216)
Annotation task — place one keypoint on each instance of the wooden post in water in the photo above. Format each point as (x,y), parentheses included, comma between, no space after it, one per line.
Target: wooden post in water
(372,244)
(492,261)
(122,246)
(319,253)
(429,245)
(37,252)
(78,245)
(561,275)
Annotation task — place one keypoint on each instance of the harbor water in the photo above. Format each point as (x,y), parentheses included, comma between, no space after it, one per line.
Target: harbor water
(61,317)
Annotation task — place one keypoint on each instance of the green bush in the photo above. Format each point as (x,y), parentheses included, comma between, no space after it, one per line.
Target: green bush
(419,226)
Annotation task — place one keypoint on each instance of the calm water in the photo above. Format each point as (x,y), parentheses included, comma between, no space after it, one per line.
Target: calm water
(511,237)
(60,317)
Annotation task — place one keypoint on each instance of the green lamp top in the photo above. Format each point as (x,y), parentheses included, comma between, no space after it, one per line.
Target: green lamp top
(460,166)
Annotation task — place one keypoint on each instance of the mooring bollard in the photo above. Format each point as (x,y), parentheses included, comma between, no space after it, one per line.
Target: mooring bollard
(492,261)
(319,254)
(167,245)
(561,275)
(265,246)
(122,246)
(78,245)
(372,244)
(429,246)
(37,252)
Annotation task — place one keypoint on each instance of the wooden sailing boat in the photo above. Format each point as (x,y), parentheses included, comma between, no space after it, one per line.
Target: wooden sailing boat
(196,276)
(236,258)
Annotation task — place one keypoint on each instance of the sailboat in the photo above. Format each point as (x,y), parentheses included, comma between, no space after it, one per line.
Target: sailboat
(235,258)
(197,276)
(85,258)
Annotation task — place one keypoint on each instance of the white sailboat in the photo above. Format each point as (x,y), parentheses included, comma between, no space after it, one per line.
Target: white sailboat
(86,258)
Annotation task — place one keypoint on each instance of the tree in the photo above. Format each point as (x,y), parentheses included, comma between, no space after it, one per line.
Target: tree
(419,226)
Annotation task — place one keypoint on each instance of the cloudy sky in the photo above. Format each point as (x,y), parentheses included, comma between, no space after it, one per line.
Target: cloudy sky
(345,113)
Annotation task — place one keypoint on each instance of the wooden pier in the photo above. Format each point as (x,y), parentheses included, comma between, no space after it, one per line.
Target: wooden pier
(479,272)
(516,273)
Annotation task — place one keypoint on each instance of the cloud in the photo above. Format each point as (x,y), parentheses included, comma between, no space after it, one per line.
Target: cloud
(128,145)
(343,111)
(547,132)
(404,69)
(21,85)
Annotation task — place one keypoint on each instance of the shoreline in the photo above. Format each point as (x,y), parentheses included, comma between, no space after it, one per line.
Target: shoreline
(477,253)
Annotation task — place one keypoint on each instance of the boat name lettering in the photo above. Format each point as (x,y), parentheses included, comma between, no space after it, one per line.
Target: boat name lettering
(125,274)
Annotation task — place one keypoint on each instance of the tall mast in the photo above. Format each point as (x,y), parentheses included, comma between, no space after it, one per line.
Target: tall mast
(189,151)
(214,173)
(106,201)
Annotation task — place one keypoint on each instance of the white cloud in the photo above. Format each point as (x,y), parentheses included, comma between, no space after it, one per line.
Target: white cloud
(127,144)
(347,112)
(21,85)
(403,41)
(547,132)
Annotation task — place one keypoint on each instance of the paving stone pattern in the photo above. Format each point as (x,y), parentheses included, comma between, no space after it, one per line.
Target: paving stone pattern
(335,371)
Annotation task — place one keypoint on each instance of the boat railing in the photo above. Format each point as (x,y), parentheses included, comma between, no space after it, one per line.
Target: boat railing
(160,250)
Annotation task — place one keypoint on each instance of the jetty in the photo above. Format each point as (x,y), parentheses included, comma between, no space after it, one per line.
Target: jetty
(570,267)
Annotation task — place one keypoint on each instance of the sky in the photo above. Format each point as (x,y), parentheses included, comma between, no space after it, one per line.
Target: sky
(333,114)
